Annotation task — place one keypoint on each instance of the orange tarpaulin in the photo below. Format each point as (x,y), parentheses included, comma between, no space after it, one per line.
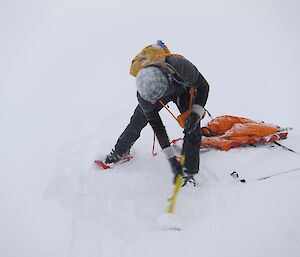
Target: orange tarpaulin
(227,131)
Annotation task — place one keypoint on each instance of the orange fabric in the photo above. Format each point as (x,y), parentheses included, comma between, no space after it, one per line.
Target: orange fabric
(182,117)
(232,131)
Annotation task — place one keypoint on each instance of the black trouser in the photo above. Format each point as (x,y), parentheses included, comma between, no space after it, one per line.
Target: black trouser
(191,148)
(133,130)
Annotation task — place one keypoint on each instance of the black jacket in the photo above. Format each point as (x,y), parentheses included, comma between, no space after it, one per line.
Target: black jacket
(187,76)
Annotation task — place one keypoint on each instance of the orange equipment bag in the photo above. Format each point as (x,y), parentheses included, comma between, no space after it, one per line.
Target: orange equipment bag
(226,132)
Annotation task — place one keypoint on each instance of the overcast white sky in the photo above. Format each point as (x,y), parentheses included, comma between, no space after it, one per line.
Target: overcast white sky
(58,55)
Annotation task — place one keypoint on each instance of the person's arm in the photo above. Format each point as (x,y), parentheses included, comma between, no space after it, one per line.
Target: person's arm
(201,92)
(189,76)
(159,129)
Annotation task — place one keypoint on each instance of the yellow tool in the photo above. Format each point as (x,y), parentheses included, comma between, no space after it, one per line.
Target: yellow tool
(177,187)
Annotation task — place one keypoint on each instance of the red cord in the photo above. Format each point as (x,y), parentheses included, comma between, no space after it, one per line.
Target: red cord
(153,146)
(174,141)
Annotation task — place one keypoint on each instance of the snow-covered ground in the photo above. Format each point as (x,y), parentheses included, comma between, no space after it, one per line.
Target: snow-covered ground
(122,212)
(66,95)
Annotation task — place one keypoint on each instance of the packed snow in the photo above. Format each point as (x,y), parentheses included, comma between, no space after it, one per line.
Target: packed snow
(122,212)
(66,95)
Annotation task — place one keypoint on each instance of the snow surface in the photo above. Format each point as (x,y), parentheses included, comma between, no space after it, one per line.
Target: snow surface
(66,95)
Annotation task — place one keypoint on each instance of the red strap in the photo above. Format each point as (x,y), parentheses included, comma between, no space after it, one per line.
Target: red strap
(153,146)
(174,141)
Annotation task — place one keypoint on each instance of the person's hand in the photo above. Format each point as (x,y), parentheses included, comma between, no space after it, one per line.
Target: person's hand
(192,121)
(176,168)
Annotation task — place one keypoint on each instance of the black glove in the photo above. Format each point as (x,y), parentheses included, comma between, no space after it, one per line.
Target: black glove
(189,179)
(176,168)
(191,123)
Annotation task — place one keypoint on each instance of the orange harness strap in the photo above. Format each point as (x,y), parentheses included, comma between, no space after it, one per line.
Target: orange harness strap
(169,111)
(182,117)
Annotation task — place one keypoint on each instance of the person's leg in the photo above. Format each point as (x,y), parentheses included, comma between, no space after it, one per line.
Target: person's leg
(132,132)
(191,150)
(192,141)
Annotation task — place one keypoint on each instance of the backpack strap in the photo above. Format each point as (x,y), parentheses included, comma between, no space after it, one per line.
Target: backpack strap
(165,55)
(174,71)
